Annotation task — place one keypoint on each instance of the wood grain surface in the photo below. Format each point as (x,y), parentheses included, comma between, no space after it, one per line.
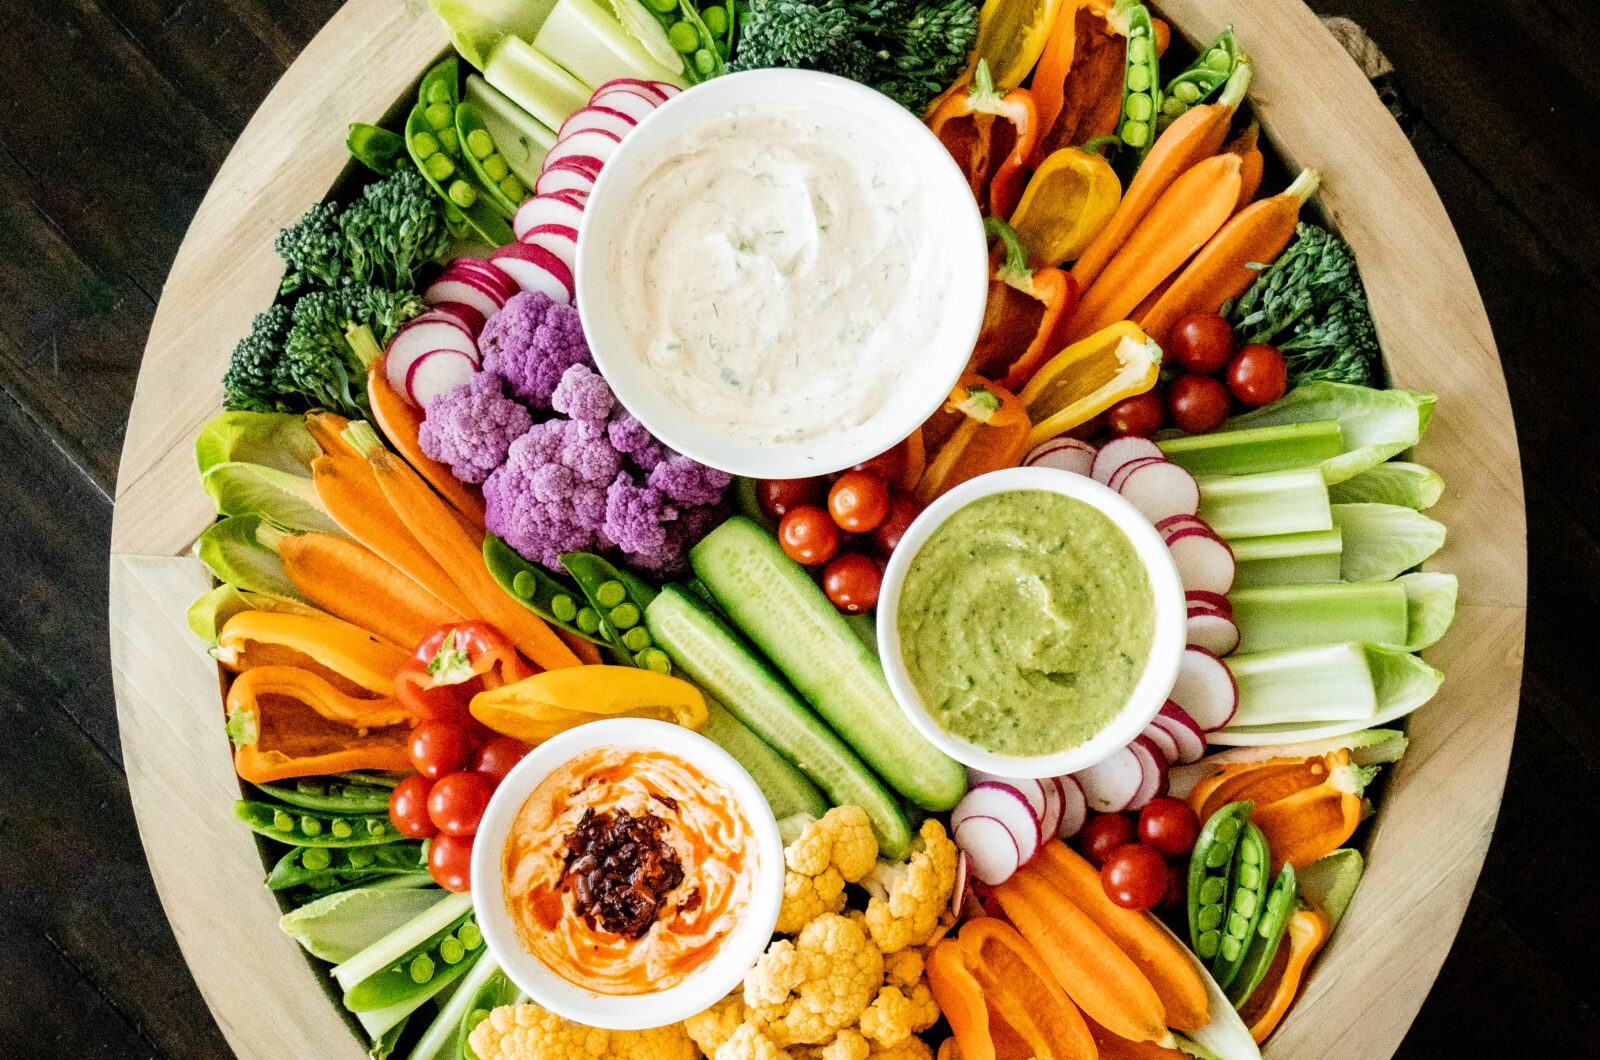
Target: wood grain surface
(124,112)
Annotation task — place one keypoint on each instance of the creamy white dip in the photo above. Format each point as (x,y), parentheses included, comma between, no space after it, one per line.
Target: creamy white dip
(776,276)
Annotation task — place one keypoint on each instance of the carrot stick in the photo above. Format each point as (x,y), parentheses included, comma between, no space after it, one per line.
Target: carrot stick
(587,651)
(349,490)
(1250,172)
(327,428)
(1198,134)
(434,525)
(1256,236)
(350,582)
(1188,214)
(400,422)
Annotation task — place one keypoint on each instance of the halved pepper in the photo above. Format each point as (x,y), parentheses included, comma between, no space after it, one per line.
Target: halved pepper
(1265,1008)
(1077,86)
(1306,807)
(992,433)
(539,707)
(1024,307)
(287,722)
(351,659)
(454,663)
(1070,197)
(991,135)
(1089,377)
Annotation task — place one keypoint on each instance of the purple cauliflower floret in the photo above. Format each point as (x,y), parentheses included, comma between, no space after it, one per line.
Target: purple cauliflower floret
(583,395)
(636,517)
(528,499)
(688,482)
(472,426)
(630,436)
(531,342)
(589,452)
(672,558)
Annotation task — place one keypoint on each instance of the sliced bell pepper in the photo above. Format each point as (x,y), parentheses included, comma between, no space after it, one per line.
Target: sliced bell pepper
(1012,35)
(1077,86)
(545,704)
(1306,807)
(1089,377)
(991,434)
(1025,306)
(349,658)
(1067,202)
(454,663)
(991,135)
(1265,1008)
(287,722)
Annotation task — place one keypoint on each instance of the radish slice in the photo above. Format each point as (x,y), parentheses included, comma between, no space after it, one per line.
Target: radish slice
(1067,454)
(1119,451)
(1190,736)
(1120,476)
(1173,523)
(557,208)
(588,148)
(536,269)
(1204,561)
(1214,601)
(637,105)
(421,336)
(1195,608)
(1165,742)
(564,177)
(558,240)
(598,116)
(658,90)
(1154,764)
(1006,804)
(1109,786)
(462,290)
(437,372)
(477,271)
(1205,689)
(467,315)
(1054,804)
(1213,632)
(1034,791)
(991,848)
(1074,808)
(1160,490)
(666,88)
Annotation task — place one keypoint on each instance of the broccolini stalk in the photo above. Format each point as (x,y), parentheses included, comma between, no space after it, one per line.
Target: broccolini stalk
(249,385)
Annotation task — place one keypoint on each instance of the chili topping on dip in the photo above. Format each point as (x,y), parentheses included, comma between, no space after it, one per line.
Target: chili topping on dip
(627,869)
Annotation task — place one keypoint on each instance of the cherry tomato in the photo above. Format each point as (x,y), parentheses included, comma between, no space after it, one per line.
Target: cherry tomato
(903,510)
(888,465)
(457,802)
(809,535)
(1140,416)
(858,501)
(1177,887)
(408,807)
(1257,375)
(495,758)
(1201,342)
(1169,825)
(1103,834)
(1134,876)
(439,747)
(1197,403)
(1088,428)
(777,495)
(852,582)
(450,862)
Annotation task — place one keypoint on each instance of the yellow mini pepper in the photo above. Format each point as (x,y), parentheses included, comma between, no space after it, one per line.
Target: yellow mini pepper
(539,707)
(351,659)
(1067,202)
(1089,377)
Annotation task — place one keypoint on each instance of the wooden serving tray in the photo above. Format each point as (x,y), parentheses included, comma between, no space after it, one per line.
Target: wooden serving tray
(1430,837)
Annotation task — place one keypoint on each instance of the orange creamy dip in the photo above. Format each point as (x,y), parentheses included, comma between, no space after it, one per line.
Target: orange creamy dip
(714,843)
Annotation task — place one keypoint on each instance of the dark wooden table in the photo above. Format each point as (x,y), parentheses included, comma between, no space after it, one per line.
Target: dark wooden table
(116,114)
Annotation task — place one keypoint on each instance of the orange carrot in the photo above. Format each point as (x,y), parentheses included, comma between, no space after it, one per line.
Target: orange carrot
(327,428)
(1197,135)
(434,525)
(1255,236)
(586,650)
(1245,145)
(400,421)
(1151,299)
(349,490)
(1188,214)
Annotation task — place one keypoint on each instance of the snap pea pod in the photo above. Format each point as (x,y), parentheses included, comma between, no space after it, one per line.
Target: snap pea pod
(1141,84)
(691,38)
(325,868)
(381,780)
(1211,875)
(1203,79)
(504,188)
(436,149)
(378,149)
(1246,904)
(553,599)
(498,990)
(618,599)
(1281,904)
(330,795)
(440,958)
(314,828)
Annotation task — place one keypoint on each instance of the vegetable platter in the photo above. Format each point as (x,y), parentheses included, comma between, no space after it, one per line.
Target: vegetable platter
(1437,810)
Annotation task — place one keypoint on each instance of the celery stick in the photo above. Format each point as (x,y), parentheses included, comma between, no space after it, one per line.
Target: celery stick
(1286,447)
(535,82)
(523,140)
(397,943)
(1278,502)
(1304,616)
(1287,559)
(1381,541)
(586,38)
(1303,685)
(1395,482)
(1430,608)
(1400,683)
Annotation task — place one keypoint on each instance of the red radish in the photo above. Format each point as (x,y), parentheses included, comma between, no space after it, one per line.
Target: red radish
(1205,689)
(1195,609)
(991,848)
(557,208)
(1204,561)
(1214,601)
(1190,736)
(1074,808)
(458,289)
(666,88)
(421,336)
(1007,805)
(536,269)
(1120,451)
(1173,523)
(589,148)
(1035,792)
(1153,767)
(1213,632)
(558,239)
(1067,454)
(1054,805)
(1165,742)
(564,177)
(485,273)
(437,372)
(1120,476)
(597,116)
(658,90)
(467,315)
(1109,786)
(627,102)
(1160,490)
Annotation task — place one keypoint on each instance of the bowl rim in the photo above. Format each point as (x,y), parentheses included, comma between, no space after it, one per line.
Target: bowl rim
(702,988)
(1166,645)
(920,391)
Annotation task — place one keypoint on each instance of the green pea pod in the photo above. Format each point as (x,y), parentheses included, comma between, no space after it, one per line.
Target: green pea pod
(440,958)
(499,990)
(618,599)
(556,600)
(314,828)
(1211,874)
(1141,84)
(504,188)
(1246,904)
(324,868)
(436,149)
(378,149)
(1203,79)
(1281,904)
(689,36)
(330,795)
(380,780)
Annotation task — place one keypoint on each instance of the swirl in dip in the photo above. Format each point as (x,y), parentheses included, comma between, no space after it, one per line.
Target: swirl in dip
(626,870)
(777,274)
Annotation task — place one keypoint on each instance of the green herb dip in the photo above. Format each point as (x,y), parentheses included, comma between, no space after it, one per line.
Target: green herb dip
(1025,621)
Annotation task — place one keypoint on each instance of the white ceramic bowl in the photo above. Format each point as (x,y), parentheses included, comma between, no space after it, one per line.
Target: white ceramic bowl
(919,392)
(709,983)
(1166,646)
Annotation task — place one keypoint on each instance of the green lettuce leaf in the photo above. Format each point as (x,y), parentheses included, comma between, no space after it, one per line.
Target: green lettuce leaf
(1374,424)
(291,501)
(1330,882)
(1430,608)
(478,26)
(1395,482)
(1382,541)
(338,926)
(232,550)
(210,612)
(277,440)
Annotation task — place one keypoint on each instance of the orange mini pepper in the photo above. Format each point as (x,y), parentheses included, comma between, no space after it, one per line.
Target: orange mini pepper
(991,136)
(1306,807)
(1024,307)
(1272,998)
(992,433)
(287,722)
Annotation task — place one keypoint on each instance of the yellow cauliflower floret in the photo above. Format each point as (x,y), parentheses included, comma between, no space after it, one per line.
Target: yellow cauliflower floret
(910,898)
(528,1032)
(804,992)
(748,1043)
(903,968)
(910,1049)
(831,852)
(896,1014)
(711,1028)
(850,1045)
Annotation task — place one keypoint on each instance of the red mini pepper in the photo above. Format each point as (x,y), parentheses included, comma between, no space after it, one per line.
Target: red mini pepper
(454,663)
(991,137)
(1024,307)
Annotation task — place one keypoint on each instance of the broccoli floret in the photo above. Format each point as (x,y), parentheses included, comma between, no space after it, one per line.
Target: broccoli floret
(249,384)
(313,250)
(379,308)
(318,361)
(393,230)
